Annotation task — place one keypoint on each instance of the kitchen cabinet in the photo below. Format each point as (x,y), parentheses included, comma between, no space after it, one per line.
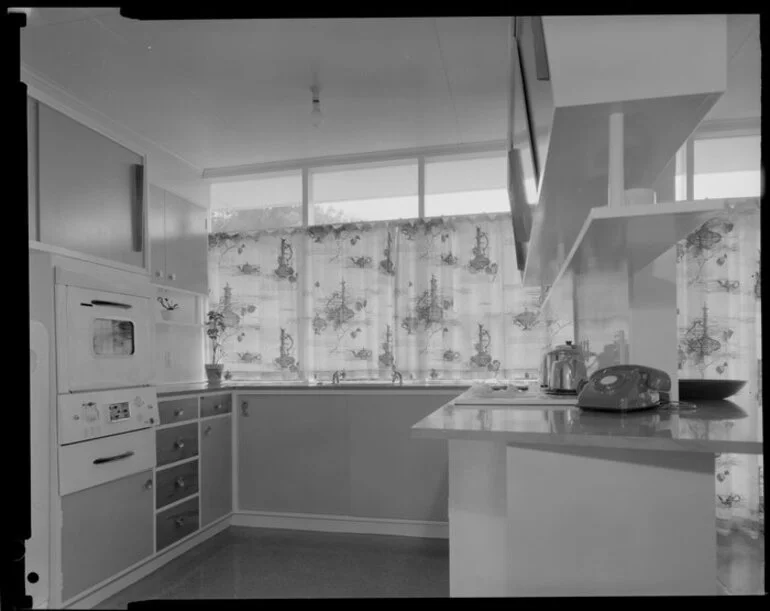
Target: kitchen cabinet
(176,523)
(176,443)
(293,453)
(176,483)
(216,444)
(105,529)
(178,242)
(32,166)
(89,191)
(533,57)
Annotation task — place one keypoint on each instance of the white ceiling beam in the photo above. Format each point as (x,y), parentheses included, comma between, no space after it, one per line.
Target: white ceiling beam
(241,171)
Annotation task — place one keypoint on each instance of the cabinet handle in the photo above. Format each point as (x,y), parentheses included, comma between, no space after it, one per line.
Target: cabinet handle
(179,444)
(137,187)
(159,273)
(207,431)
(100,461)
(218,406)
(245,409)
(148,484)
(179,483)
(172,276)
(179,412)
(179,522)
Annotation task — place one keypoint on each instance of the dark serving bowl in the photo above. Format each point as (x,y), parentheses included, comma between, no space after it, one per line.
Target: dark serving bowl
(708,389)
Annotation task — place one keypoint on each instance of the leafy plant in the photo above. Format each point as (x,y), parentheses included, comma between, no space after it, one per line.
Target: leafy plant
(216,330)
(168,304)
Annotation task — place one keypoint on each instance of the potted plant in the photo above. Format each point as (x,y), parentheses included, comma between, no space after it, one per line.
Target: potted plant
(168,307)
(216,330)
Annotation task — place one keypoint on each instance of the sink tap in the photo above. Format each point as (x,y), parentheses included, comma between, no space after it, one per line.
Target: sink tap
(337,376)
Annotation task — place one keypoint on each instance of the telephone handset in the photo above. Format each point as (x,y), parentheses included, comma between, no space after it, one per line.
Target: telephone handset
(624,388)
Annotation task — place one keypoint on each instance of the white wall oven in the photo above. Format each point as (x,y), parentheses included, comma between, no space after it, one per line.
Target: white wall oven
(103,333)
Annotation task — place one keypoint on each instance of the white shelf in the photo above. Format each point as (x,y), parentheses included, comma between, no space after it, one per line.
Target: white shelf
(634,236)
(576,172)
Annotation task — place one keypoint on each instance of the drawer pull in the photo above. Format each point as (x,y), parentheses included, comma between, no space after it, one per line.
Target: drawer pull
(159,273)
(179,412)
(179,483)
(218,406)
(172,276)
(245,408)
(148,484)
(179,444)
(207,430)
(101,461)
(179,522)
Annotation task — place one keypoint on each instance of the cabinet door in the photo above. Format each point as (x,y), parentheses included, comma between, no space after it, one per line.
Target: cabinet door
(216,468)
(534,67)
(186,245)
(88,199)
(293,453)
(32,166)
(156,225)
(105,529)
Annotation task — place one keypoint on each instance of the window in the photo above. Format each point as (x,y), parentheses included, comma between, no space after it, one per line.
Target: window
(260,203)
(113,337)
(466,185)
(374,192)
(727,167)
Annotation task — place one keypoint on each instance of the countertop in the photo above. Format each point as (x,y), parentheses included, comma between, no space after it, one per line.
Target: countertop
(716,426)
(168,390)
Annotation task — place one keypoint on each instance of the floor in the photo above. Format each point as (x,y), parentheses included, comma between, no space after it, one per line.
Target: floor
(253,563)
(269,563)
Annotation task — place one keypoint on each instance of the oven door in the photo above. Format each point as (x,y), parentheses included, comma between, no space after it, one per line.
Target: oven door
(103,339)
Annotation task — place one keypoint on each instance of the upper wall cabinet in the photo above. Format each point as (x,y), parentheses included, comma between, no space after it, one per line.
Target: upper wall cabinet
(89,190)
(178,242)
(536,78)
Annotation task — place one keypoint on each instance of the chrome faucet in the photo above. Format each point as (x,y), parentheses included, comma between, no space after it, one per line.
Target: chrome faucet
(397,376)
(337,376)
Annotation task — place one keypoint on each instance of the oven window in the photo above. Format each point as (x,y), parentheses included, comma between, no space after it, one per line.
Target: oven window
(113,337)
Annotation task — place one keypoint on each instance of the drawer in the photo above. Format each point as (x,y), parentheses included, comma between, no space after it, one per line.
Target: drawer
(177,443)
(176,483)
(178,410)
(211,405)
(84,465)
(176,523)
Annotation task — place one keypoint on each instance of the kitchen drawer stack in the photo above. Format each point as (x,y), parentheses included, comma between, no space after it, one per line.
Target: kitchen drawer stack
(194,469)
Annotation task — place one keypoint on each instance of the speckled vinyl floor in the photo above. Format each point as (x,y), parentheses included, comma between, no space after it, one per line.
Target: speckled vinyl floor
(254,563)
(269,563)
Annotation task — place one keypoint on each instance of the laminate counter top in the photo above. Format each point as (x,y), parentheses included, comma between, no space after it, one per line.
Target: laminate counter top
(715,426)
(170,390)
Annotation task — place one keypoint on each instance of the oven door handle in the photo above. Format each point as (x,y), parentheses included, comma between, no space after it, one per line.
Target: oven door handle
(110,304)
(101,461)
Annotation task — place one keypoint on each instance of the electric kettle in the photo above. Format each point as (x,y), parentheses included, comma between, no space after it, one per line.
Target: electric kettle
(562,368)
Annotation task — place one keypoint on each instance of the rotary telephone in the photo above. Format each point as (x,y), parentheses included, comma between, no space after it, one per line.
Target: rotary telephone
(623,388)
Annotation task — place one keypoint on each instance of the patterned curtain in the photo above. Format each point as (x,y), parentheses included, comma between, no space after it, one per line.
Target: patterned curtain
(436,299)
(720,338)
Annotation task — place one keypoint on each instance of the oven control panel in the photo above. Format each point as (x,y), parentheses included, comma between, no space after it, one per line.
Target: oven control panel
(91,415)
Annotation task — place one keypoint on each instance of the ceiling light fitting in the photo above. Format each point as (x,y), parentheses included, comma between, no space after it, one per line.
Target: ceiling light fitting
(315,115)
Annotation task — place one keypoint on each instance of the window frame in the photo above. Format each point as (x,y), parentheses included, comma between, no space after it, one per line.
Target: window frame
(709,130)
(307,167)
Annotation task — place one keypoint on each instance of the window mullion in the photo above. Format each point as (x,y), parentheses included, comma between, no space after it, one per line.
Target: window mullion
(421,187)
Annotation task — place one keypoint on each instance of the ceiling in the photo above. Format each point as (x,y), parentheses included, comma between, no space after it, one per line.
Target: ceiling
(226,93)
(230,93)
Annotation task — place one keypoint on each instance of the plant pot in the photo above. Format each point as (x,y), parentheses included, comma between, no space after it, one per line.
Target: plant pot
(166,314)
(214,373)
